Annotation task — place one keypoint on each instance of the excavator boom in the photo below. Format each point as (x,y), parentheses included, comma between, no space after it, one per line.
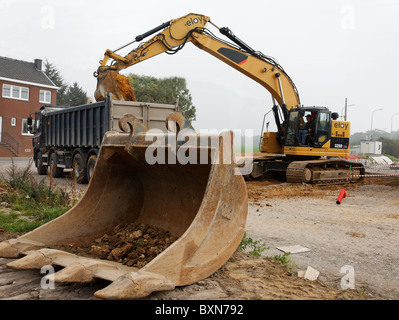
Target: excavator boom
(192,28)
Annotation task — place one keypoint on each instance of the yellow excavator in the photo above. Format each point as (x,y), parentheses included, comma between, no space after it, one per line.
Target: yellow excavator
(202,204)
(307,155)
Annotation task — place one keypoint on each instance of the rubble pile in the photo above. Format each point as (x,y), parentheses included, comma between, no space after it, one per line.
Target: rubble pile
(134,245)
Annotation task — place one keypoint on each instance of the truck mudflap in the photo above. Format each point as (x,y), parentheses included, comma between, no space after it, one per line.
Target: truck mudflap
(202,205)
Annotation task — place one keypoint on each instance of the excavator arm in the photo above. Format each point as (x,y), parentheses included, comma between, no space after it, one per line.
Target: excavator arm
(191,28)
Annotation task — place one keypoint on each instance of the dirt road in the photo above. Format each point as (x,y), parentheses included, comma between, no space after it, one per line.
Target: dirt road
(358,237)
(361,234)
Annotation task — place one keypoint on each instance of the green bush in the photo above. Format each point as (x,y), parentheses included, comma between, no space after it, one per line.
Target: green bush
(255,247)
(31,203)
(285,260)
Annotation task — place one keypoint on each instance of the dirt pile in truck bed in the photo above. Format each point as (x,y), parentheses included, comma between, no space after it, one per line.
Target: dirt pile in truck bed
(134,245)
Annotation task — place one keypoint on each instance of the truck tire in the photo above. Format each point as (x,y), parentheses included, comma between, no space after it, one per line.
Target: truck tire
(54,170)
(41,169)
(90,166)
(79,169)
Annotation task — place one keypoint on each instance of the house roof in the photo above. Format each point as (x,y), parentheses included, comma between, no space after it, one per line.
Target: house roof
(23,71)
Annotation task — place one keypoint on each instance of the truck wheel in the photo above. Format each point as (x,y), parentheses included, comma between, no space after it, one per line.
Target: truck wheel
(54,170)
(90,166)
(41,169)
(79,169)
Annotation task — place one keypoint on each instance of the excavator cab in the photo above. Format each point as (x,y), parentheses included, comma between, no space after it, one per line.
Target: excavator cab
(309,127)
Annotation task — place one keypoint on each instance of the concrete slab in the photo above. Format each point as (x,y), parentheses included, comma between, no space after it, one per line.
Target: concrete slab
(293,249)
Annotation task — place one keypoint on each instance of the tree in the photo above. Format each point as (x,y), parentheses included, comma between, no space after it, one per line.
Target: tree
(66,95)
(164,90)
(75,95)
(390,147)
(54,75)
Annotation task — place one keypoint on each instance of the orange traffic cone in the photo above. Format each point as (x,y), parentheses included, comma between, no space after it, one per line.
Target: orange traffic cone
(342,195)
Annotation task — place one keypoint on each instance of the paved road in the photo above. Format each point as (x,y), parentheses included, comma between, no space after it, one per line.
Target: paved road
(21,163)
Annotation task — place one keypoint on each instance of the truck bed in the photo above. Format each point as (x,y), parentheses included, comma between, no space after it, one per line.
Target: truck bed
(84,126)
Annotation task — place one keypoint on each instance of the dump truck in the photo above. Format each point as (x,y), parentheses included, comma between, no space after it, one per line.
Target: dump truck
(69,138)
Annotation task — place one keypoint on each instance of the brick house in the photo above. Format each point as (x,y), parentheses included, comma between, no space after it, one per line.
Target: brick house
(24,89)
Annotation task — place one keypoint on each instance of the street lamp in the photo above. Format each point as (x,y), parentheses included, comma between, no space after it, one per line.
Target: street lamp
(346,109)
(372,115)
(392,122)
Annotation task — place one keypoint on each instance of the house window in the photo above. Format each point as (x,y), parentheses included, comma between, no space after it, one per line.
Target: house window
(24,93)
(13,122)
(25,131)
(6,91)
(15,92)
(45,96)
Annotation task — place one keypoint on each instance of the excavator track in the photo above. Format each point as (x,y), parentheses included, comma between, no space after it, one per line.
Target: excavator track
(325,171)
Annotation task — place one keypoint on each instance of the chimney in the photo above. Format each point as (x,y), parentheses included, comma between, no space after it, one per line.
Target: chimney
(38,64)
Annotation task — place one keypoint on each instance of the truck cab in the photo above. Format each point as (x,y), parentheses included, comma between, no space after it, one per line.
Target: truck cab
(37,125)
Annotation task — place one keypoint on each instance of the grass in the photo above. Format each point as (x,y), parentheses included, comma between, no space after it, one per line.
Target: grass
(394,159)
(243,149)
(26,203)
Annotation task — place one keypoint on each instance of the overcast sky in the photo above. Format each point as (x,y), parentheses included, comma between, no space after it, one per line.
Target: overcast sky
(332,50)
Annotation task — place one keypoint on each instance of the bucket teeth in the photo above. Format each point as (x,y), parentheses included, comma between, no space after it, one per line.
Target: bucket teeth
(34,260)
(8,251)
(75,272)
(13,248)
(135,285)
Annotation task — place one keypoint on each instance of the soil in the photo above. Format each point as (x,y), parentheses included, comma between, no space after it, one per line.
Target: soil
(361,232)
(125,89)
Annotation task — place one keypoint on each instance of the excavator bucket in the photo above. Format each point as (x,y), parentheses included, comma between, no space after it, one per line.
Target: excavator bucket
(202,205)
(115,84)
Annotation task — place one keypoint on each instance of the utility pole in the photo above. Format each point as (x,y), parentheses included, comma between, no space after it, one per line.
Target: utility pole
(345,116)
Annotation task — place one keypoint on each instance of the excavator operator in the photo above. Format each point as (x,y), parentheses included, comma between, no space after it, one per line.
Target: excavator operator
(310,128)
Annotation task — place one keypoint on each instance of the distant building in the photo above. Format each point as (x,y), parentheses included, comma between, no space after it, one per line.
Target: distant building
(370,147)
(24,89)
